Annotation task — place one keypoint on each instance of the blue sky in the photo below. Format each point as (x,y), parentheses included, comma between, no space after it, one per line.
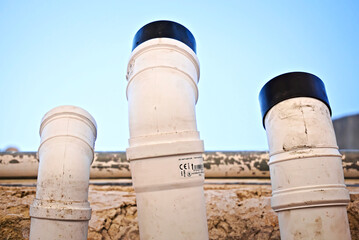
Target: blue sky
(75,52)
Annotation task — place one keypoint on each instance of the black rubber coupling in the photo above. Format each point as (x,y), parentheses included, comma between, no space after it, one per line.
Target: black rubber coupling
(291,85)
(164,29)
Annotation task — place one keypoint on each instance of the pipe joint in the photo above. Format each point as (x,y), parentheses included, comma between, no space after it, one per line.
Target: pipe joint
(305,165)
(167,56)
(303,152)
(69,121)
(312,196)
(164,149)
(61,209)
(79,211)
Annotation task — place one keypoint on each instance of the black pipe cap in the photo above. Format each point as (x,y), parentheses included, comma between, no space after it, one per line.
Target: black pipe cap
(164,29)
(291,85)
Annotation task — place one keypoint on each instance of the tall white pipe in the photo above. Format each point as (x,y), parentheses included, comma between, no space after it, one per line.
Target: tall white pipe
(61,209)
(308,190)
(165,151)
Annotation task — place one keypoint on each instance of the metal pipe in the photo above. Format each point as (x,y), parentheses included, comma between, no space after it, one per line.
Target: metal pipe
(308,190)
(61,209)
(165,151)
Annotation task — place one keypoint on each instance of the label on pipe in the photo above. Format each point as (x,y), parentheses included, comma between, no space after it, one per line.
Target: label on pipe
(191,166)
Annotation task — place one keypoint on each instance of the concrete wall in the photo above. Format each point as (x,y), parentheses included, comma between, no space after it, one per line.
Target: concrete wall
(347,131)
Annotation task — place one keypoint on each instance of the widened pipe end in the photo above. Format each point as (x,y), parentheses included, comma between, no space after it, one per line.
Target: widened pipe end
(68,109)
(291,85)
(164,29)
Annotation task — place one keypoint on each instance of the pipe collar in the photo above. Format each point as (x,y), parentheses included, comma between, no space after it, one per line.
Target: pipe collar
(69,111)
(79,211)
(291,85)
(164,29)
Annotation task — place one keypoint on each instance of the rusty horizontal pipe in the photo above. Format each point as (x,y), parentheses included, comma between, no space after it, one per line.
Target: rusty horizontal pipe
(217,164)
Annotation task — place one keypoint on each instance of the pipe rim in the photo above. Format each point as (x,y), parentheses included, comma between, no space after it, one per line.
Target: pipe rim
(164,29)
(291,85)
(69,109)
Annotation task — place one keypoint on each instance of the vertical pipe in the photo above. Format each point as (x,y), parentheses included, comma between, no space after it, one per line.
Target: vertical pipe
(165,150)
(61,209)
(308,190)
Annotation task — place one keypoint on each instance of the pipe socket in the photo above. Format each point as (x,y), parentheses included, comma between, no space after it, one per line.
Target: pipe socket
(61,209)
(165,149)
(308,190)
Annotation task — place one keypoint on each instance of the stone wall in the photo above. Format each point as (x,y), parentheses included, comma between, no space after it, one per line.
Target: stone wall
(234,212)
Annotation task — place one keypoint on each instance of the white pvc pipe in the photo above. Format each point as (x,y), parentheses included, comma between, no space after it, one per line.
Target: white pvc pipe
(308,190)
(165,150)
(61,209)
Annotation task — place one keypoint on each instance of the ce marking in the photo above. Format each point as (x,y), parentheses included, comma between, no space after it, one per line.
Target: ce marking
(185,166)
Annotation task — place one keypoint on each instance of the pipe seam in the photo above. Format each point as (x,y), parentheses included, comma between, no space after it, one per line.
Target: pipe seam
(310,198)
(191,81)
(298,154)
(149,46)
(303,149)
(78,138)
(163,137)
(69,115)
(164,149)
(64,135)
(64,211)
(188,183)
(310,187)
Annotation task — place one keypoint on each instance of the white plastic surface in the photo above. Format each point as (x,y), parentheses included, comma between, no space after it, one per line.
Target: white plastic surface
(308,190)
(61,209)
(165,149)
(162,92)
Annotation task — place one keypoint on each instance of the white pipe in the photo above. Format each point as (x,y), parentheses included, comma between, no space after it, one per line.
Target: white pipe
(165,151)
(61,209)
(308,190)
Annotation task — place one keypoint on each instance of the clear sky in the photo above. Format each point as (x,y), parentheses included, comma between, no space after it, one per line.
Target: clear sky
(75,53)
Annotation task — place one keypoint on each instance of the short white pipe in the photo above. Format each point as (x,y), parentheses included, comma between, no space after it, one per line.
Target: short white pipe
(308,190)
(165,151)
(61,209)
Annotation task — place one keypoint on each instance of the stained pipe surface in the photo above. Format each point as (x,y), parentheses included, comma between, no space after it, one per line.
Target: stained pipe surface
(165,150)
(61,209)
(308,190)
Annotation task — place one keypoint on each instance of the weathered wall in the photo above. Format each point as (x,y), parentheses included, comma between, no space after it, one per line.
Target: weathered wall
(217,164)
(234,212)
